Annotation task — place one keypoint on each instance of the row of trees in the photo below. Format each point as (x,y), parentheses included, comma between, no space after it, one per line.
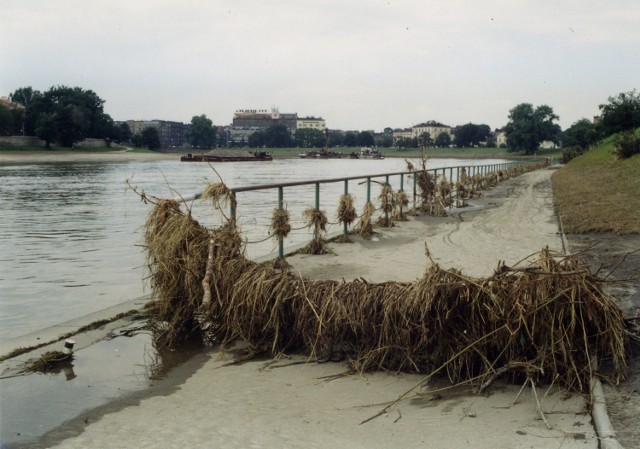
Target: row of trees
(70,114)
(529,126)
(64,114)
(279,136)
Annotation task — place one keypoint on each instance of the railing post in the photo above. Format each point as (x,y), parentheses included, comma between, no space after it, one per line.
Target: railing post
(345,231)
(232,207)
(368,190)
(415,190)
(280,239)
(386,213)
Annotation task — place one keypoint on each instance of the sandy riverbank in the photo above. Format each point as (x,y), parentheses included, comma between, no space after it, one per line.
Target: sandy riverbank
(20,157)
(289,404)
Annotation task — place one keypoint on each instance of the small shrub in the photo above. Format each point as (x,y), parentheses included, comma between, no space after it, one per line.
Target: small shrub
(627,145)
(570,153)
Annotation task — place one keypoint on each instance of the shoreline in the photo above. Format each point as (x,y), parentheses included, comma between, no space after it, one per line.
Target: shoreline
(17,156)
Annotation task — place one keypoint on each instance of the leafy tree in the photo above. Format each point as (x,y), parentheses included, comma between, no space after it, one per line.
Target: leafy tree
(123,133)
(443,140)
(201,133)
(79,113)
(257,139)
(407,142)
(425,139)
(470,135)
(350,139)
(386,141)
(364,139)
(27,97)
(621,113)
(10,120)
(528,127)
(150,138)
(336,138)
(47,128)
(310,138)
(581,134)
(277,136)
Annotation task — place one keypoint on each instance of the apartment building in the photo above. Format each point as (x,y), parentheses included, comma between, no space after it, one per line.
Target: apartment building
(171,133)
(311,123)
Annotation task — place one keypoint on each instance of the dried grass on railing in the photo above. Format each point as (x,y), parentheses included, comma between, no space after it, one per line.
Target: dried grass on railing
(346,210)
(544,322)
(387,204)
(317,220)
(280,226)
(364,227)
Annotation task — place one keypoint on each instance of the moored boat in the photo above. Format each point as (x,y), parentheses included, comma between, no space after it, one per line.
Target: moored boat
(227,156)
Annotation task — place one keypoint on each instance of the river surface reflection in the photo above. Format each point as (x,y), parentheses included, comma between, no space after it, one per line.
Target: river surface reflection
(70,233)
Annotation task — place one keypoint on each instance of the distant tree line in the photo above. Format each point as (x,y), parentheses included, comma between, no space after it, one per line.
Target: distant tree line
(68,115)
(529,126)
(62,114)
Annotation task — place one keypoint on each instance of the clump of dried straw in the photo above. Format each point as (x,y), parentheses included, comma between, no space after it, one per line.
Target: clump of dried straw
(544,322)
(346,210)
(401,203)
(364,228)
(387,205)
(280,226)
(317,220)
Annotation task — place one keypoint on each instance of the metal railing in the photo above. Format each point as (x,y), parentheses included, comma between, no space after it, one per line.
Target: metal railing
(471,170)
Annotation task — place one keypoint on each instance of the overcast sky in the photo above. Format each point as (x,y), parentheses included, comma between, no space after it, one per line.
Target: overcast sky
(359,64)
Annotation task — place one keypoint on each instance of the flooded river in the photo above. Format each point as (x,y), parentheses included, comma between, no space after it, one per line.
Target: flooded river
(70,233)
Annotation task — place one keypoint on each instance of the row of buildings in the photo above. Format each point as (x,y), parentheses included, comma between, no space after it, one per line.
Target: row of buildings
(245,122)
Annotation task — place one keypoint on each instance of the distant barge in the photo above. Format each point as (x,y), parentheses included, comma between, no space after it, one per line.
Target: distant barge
(365,153)
(227,156)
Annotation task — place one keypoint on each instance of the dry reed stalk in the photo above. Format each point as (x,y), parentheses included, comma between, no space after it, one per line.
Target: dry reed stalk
(364,227)
(220,195)
(280,226)
(387,204)
(401,203)
(317,220)
(346,210)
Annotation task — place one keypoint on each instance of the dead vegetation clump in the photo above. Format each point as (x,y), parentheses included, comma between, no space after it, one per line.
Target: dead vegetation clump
(401,204)
(364,228)
(316,220)
(542,323)
(280,226)
(346,210)
(49,361)
(387,205)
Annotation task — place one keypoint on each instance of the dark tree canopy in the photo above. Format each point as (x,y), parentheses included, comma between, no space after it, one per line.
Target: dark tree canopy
(581,134)
(621,113)
(47,128)
(77,113)
(443,140)
(201,133)
(256,140)
(310,138)
(150,138)
(470,135)
(364,139)
(528,127)
(350,139)
(278,136)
